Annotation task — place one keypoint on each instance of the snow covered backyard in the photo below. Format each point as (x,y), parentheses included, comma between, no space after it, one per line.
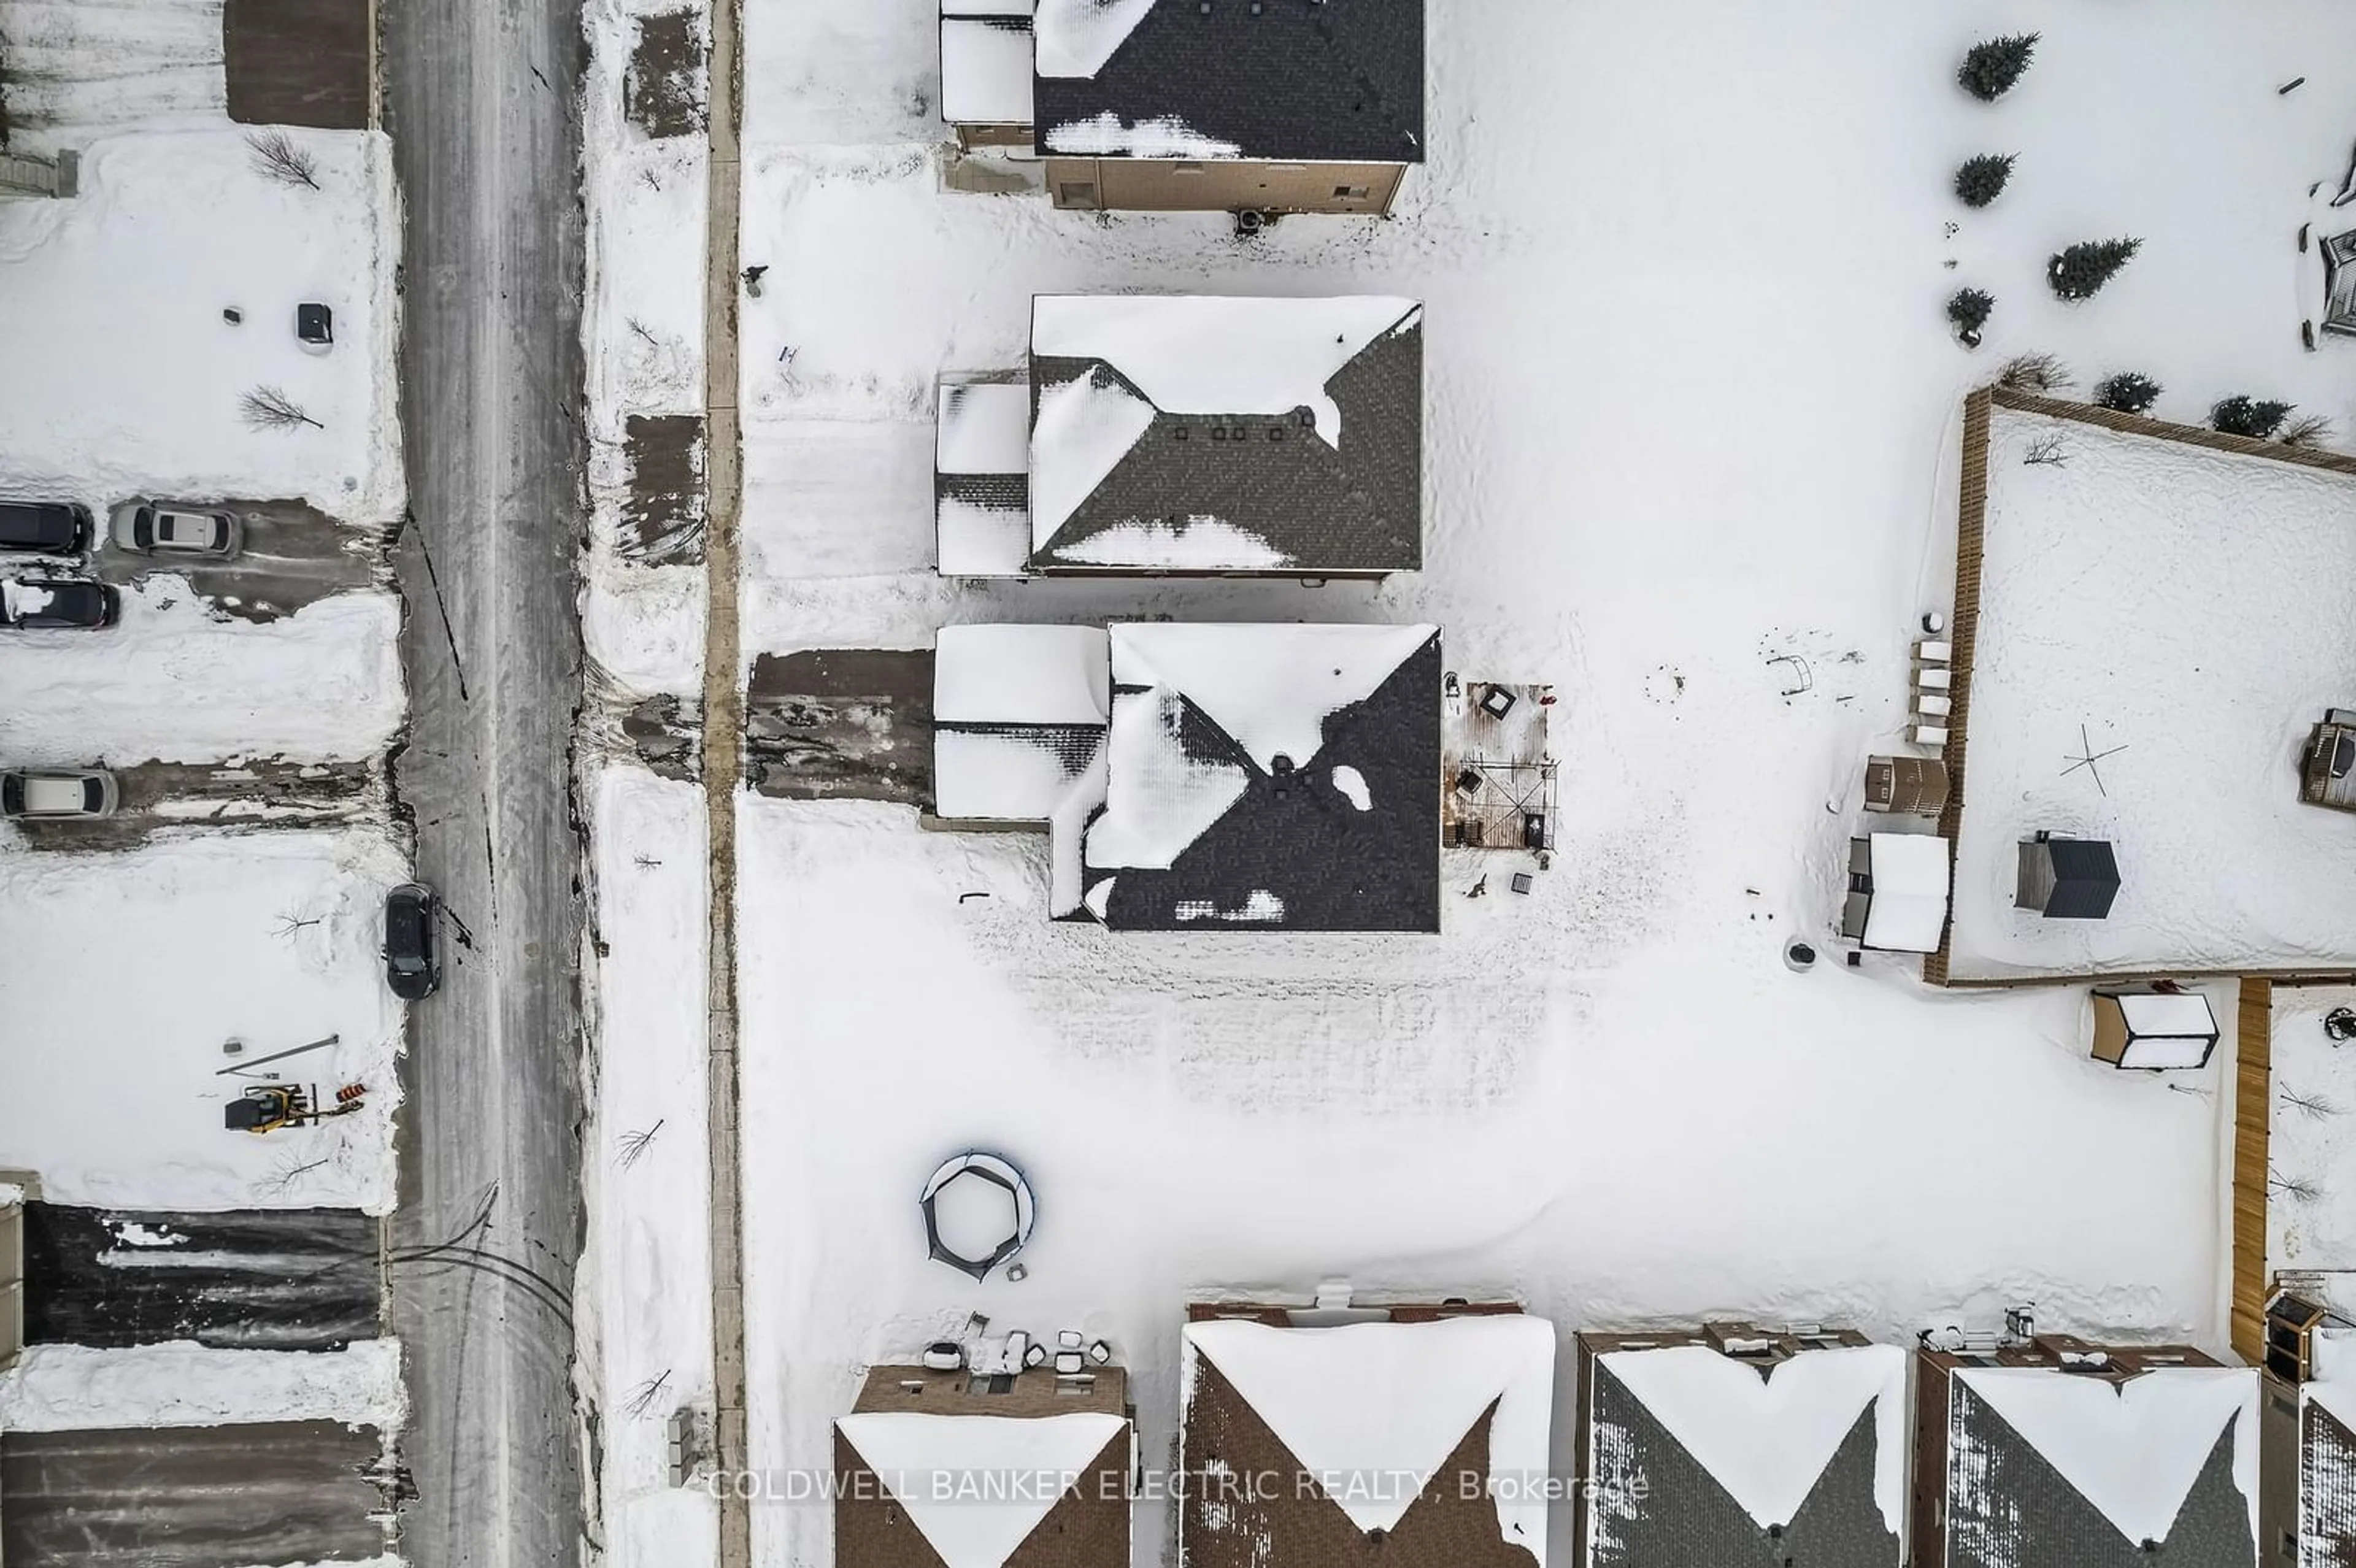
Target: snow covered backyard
(2180,616)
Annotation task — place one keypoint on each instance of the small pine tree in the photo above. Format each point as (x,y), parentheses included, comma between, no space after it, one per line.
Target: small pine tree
(1981,179)
(1968,309)
(2254,417)
(2127,392)
(1991,67)
(2080,272)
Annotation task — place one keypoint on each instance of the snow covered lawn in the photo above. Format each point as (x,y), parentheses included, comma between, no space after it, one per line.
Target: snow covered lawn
(127,972)
(2185,615)
(645,1298)
(115,299)
(2311,1150)
(175,683)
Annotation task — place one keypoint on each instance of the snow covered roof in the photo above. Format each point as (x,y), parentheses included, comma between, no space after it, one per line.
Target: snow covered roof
(1212,433)
(976,1486)
(2180,1013)
(1909,893)
(1814,1446)
(2039,1457)
(985,62)
(1270,776)
(1019,717)
(982,482)
(1370,1414)
(1286,81)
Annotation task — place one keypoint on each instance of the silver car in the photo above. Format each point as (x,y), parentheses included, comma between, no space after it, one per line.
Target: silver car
(53,795)
(175,527)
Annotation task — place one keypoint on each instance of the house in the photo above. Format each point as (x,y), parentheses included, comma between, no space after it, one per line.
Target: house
(1404,1437)
(2153,1026)
(2307,1450)
(1191,436)
(1197,777)
(1261,106)
(2067,879)
(1916,787)
(1897,885)
(950,1469)
(1741,1447)
(2057,1453)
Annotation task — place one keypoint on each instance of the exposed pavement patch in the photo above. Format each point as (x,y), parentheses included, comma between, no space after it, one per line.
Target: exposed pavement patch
(841,724)
(253,794)
(297,62)
(663,518)
(292,555)
(195,1497)
(662,92)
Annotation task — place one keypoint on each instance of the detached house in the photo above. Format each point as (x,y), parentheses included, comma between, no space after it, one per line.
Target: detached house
(1202,777)
(2062,1454)
(1191,436)
(1741,1447)
(945,1469)
(2308,1516)
(1408,1437)
(1194,105)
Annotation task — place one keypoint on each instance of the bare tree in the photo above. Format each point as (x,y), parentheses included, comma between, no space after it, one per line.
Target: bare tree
(2313,429)
(2035,373)
(2318,1106)
(633,1144)
(2296,1189)
(267,407)
(642,1398)
(276,158)
(2047,450)
(290,926)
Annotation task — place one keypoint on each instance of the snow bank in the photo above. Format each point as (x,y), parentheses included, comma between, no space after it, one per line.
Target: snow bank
(2182,614)
(171,682)
(271,939)
(643,1298)
(64,1388)
(118,294)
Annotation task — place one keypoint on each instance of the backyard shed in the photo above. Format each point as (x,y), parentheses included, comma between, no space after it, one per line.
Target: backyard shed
(2340,283)
(1914,785)
(2067,879)
(1898,886)
(2153,1027)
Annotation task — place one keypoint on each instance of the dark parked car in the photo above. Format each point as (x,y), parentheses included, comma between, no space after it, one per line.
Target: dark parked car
(46,528)
(412,959)
(36,603)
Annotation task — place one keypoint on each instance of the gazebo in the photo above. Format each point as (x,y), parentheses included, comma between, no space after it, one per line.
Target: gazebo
(978,1212)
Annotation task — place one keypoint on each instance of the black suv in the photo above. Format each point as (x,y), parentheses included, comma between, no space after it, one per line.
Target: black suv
(413,960)
(42,603)
(45,527)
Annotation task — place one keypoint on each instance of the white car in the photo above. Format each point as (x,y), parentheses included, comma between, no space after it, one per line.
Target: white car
(172,528)
(56,794)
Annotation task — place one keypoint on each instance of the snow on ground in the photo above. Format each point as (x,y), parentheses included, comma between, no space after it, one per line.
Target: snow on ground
(645,1295)
(59,1387)
(128,972)
(118,294)
(173,682)
(643,332)
(79,69)
(1690,430)
(2184,615)
(2310,1151)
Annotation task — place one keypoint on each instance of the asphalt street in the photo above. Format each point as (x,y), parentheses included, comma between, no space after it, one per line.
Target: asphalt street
(478,100)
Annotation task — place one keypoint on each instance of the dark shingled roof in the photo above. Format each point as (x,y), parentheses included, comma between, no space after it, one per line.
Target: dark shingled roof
(2327,1468)
(1334,867)
(1355,510)
(1686,1516)
(2008,1506)
(1312,81)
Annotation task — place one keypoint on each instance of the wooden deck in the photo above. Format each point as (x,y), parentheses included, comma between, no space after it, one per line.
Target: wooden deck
(2253,1112)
